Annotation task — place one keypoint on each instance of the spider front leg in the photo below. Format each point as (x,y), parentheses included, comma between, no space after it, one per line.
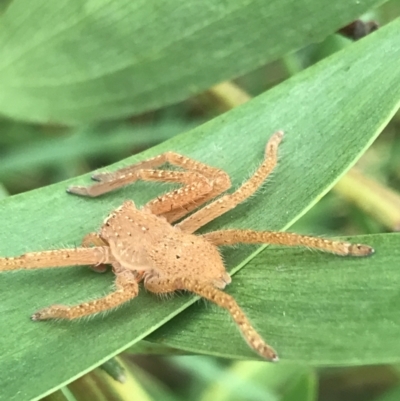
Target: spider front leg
(126,289)
(231,237)
(222,299)
(228,202)
(196,187)
(201,183)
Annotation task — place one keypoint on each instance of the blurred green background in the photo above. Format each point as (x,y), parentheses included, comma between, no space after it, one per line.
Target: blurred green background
(38,154)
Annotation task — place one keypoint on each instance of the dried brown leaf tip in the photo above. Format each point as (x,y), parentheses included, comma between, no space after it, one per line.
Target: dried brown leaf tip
(358,29)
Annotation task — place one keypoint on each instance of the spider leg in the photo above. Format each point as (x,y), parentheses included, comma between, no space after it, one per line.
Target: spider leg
(178,203)
(222,299)
(189,198)
(219,180)
(228,202)
(94,239)
(57,258)
(230,237)
(126,289)
(195,186)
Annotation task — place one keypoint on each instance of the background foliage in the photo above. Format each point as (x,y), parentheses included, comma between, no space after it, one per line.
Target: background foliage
(84,84)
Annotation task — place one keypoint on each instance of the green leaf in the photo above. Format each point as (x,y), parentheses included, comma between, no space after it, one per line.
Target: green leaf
(258,381)
(85,60)
(390,395)
(64,394)
(100,386)
(87,141)
(314,308)
(3,191)
(331,113)
(305,389)
(154,386)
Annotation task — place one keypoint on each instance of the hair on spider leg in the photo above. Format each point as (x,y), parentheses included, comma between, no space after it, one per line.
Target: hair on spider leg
(308,249)
(166,296)
(225,248)
(208,304)
(89,318)
(263,188)
(107,312)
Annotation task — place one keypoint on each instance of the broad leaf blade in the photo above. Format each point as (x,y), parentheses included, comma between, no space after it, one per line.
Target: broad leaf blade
(330,113)
(139,55)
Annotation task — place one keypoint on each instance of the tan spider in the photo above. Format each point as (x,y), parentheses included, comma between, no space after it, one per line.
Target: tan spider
(144,245)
